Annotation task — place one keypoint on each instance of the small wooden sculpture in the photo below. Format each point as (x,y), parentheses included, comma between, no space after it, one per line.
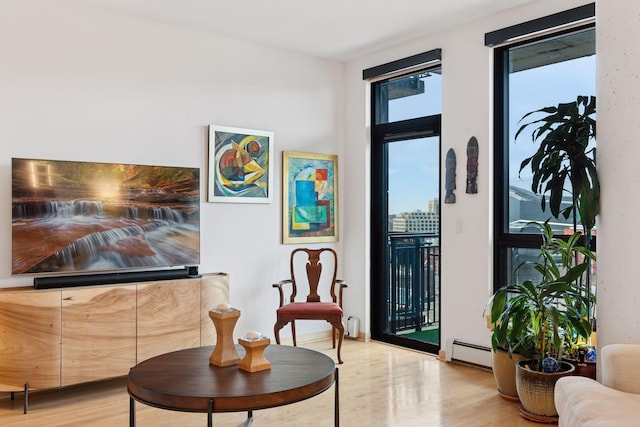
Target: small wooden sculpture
(254,359)
(224,319)
(450,177)
(472,166)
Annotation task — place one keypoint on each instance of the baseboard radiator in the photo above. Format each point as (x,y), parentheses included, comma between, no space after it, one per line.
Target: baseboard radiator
(474,354)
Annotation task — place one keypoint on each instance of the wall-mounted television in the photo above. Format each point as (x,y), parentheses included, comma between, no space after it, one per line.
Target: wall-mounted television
(81,217)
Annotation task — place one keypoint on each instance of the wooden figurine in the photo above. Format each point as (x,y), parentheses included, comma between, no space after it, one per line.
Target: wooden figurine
(450,177)
(254,360)
(472,166)
(224,319)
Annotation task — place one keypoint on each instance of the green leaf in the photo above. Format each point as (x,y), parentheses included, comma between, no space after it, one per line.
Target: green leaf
(563,160)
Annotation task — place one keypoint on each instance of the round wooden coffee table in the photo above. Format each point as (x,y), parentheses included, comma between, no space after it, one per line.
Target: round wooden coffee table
(185,381)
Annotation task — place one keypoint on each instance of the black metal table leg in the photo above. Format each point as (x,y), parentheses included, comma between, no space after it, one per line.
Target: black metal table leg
(336,421)
(132,412)
(26,398)
(210,414)
(249,419)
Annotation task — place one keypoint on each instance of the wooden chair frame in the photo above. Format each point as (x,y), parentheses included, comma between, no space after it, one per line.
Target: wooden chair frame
(332,314)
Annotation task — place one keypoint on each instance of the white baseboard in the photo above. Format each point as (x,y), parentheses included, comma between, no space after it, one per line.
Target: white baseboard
(460,351)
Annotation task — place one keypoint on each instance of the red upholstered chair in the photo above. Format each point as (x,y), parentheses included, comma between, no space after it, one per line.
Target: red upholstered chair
(312,268)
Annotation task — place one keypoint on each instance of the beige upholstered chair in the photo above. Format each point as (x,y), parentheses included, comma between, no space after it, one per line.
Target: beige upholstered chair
(312,269)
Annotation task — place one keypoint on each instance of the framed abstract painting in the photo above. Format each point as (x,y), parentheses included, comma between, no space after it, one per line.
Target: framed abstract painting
(240,169)
(309,197)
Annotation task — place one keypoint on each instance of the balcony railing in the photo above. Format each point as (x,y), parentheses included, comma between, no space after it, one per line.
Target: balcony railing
(414,285)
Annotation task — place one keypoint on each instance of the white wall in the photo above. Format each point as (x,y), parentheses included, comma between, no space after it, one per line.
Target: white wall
(466,226)
(618,150)
(77,84)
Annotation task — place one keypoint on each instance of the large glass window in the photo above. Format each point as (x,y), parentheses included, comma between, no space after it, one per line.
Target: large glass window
(530,76)
(542,74)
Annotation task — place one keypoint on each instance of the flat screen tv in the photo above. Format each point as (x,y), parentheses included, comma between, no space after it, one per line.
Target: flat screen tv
(82,217)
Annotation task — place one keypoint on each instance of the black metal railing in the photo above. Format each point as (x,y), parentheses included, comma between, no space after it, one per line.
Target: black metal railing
(414,285)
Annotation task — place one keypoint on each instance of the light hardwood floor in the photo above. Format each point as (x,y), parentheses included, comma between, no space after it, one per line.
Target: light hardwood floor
(380,385)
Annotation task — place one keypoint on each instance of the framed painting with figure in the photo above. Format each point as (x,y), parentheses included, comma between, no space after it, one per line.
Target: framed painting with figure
(309,197)
(240,169)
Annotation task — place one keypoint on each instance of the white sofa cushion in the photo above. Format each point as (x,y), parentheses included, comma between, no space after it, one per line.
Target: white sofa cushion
(583,402)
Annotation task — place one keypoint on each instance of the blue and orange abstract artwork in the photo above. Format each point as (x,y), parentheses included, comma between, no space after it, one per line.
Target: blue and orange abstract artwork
(239,165)
(310,197)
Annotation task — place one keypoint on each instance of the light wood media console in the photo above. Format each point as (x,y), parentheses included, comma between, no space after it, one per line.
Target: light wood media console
(59,337)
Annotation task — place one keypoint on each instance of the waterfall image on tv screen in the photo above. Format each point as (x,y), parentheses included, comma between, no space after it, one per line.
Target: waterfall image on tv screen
(72,216)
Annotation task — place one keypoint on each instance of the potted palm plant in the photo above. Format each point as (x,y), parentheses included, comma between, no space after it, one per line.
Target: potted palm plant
(565,162)
(536,316)
(504,356)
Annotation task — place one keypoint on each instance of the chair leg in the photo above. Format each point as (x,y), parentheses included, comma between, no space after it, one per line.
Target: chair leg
(276,330)
(333,336)
(293,332)
(340,327)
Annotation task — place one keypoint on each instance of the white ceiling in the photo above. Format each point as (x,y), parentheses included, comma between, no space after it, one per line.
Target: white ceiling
(339,30)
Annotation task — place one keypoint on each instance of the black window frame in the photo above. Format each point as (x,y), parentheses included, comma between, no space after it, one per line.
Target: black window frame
(566,22)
